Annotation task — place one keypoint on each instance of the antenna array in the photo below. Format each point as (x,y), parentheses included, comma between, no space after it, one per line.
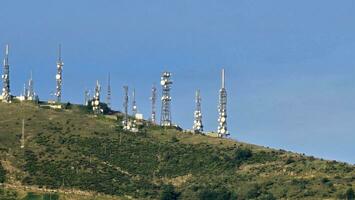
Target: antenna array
(198,127)
(125,108)
(153,99)
(222,110)
(165,118)
(134,103)
(96,100)
(108,98)
(58,77)
(6,96)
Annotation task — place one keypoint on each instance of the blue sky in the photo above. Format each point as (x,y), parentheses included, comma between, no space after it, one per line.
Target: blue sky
(290,64)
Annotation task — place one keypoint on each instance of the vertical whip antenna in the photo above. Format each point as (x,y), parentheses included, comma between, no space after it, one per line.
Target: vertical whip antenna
(222,109)
(165,118)
(6,95)
(153,99)
(198,126)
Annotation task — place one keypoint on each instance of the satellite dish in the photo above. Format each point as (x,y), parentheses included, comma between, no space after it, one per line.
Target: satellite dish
(57,76)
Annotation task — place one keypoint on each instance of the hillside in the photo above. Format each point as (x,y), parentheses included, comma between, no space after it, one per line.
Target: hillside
(70,154)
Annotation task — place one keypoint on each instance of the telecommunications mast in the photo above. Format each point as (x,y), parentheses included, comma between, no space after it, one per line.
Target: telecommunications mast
(198,127)
(222,110)
(6,96)
(153,99)
(165,118)
(58,76)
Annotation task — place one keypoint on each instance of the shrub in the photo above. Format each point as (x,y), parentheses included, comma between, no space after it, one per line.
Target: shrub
(349,194)
(169,193)
(2,174)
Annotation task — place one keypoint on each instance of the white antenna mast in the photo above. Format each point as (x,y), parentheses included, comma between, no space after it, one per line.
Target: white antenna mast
(153,99)
(58,77)
(198,127)
(6,96)
(222,109)
(165,118)
(108,98)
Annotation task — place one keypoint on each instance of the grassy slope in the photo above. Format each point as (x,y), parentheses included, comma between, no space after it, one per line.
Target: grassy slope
(72,149)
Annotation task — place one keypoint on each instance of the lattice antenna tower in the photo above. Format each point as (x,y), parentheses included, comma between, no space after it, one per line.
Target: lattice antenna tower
(96,100)
(198,126)
(59,77)
(153,99)
(165,118)
(6,95)
(222,109)
(86,97)
(125,108)
(134,103)
(108,98)
(30,88)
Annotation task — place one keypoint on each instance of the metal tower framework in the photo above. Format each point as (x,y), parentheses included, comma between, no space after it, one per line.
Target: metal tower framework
(165,117)
(222,109)
(6,95)
(96,100)
(153,99)
(30,95)
(198,126)
(86,97)
(134,103)
(108,98)
(125,108)
(58,77)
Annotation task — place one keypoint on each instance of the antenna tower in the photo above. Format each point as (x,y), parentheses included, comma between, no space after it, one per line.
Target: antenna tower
(108,98)
(30,91)
(134,103)
(222,109)
(6,96)
(198,127)
(58,77)
(96,100)
(86,97)
(125,108)
(165,118)
(153,99)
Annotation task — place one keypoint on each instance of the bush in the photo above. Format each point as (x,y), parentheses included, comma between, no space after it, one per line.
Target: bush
(2,174)
(218,194)
(349,194)
(169,193)
(241,155)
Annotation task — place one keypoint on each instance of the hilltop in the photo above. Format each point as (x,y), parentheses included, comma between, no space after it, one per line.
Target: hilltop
(71,154)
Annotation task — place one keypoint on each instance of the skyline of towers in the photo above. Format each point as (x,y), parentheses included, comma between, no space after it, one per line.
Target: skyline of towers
(222,109)
(198,126)
(153,99)
(6,95)
(96,100)
(165,82)
(58,77)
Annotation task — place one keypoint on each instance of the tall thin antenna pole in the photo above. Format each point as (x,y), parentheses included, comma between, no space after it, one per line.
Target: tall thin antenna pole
(222,110)
(165,118)
(153,99)
(134,103)
(108,98)
(125,108)
(30,90)
(23,134)
(6,96)
(198,126)
(59,78)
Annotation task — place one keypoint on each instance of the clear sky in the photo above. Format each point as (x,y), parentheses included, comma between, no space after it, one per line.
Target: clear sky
(290,64)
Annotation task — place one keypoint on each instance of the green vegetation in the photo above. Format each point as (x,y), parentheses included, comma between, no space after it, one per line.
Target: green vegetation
(72,149)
